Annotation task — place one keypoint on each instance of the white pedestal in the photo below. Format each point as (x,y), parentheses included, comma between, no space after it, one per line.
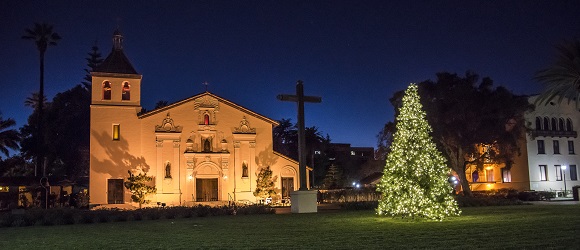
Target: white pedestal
(303,201)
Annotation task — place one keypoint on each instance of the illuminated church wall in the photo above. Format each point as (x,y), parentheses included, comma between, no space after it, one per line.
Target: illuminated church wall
(204,148)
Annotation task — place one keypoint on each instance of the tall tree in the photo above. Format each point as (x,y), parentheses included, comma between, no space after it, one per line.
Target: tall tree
(93,61)
(562,79)
(9,137)
(285,137)
(32,101)
(414,182)
(43,36)
(465,114)
(384,141)
(68,133)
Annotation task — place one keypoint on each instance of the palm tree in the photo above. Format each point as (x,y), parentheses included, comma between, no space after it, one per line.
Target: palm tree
(562,79)
(43,36)
(161,104)
(9,138)
(32,101)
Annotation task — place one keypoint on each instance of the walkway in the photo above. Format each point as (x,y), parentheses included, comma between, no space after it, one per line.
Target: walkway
(557,201)
(322,208)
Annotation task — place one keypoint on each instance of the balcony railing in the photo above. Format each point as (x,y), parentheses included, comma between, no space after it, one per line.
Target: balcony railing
(553,133)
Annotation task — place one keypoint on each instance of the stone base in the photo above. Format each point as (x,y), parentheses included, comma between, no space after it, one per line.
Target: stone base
(303,201)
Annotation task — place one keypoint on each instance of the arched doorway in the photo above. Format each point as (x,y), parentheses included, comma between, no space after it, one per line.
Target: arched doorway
(207,182)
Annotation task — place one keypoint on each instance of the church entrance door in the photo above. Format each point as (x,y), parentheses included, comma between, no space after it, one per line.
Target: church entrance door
(206,189)
(115,191)
(287,187)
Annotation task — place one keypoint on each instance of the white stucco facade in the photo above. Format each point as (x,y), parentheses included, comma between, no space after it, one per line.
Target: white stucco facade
(553,143)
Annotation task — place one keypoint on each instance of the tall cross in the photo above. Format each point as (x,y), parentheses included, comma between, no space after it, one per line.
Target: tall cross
(205,83)
(300,99)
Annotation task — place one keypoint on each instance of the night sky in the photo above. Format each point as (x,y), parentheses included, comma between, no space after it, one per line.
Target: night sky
(354,54)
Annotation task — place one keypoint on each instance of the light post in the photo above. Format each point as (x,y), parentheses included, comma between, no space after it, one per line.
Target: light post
(564,176)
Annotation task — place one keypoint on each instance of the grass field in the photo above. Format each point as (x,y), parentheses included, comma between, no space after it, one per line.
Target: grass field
(512,227)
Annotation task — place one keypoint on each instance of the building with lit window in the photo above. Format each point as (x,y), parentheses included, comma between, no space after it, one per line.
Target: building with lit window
(551,145)
(201,149)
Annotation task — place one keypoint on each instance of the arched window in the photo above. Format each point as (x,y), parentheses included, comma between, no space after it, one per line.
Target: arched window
(561,124)
(538,123)
(206,119)
(106,90)
(126,92)
(546,124)
(554,124)
(568,124)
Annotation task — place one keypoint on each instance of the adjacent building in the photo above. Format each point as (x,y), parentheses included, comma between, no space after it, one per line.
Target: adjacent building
(548,159)
(553,159)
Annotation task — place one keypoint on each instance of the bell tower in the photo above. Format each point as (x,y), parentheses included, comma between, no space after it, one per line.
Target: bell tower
(115,103)
(115,81)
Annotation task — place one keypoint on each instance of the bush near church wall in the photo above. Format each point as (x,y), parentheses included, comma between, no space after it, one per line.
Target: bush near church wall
(67,216)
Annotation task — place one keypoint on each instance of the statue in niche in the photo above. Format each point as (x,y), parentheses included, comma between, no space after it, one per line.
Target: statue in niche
(244,170)
(206,145)
(168,170)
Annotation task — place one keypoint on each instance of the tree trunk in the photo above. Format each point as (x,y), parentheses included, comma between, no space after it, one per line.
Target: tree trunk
(463,180)
(40,106)
(458,165)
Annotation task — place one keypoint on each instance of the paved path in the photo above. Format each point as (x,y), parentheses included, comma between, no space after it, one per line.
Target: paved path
(322,208)
(557,201)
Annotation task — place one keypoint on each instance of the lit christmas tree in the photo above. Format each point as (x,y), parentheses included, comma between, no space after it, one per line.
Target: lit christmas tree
(415,178)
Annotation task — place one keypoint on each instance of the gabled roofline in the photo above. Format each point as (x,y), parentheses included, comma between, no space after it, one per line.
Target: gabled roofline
(291,160)
(117,75)
(222,100)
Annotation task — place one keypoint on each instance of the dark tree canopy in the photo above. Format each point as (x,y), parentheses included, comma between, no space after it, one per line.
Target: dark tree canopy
(384,141)
(285,140)
(9,137)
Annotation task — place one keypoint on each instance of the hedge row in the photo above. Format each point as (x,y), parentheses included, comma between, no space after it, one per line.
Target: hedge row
(68,216)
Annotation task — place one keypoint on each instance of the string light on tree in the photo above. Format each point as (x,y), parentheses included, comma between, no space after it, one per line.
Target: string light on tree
(415,178)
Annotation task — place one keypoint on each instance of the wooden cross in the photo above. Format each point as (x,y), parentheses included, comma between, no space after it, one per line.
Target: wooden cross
(300,99)
(205,83)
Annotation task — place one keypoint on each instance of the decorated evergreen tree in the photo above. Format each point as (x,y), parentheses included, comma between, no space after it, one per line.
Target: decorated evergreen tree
(137,185)
(415,178)
(265,184)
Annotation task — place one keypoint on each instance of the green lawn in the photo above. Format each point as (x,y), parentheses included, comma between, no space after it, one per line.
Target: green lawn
(515,227)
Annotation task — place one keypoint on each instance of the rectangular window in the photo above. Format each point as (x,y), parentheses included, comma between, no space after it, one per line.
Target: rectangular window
(573,173)
(543,173)
(541,149)
(116,132)
(506,175)
(489,175)
(556,147)
(558,172)
(571,147)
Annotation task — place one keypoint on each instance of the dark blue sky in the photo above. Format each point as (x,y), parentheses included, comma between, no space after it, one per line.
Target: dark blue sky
(355,54)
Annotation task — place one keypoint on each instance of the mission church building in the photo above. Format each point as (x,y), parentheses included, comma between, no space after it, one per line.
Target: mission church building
(201,149)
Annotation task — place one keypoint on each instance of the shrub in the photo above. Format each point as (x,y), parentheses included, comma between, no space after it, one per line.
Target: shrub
(479,201)
(360,205)
(253,209)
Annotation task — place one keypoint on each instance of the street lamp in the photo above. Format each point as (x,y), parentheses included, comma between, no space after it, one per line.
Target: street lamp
(564,176)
